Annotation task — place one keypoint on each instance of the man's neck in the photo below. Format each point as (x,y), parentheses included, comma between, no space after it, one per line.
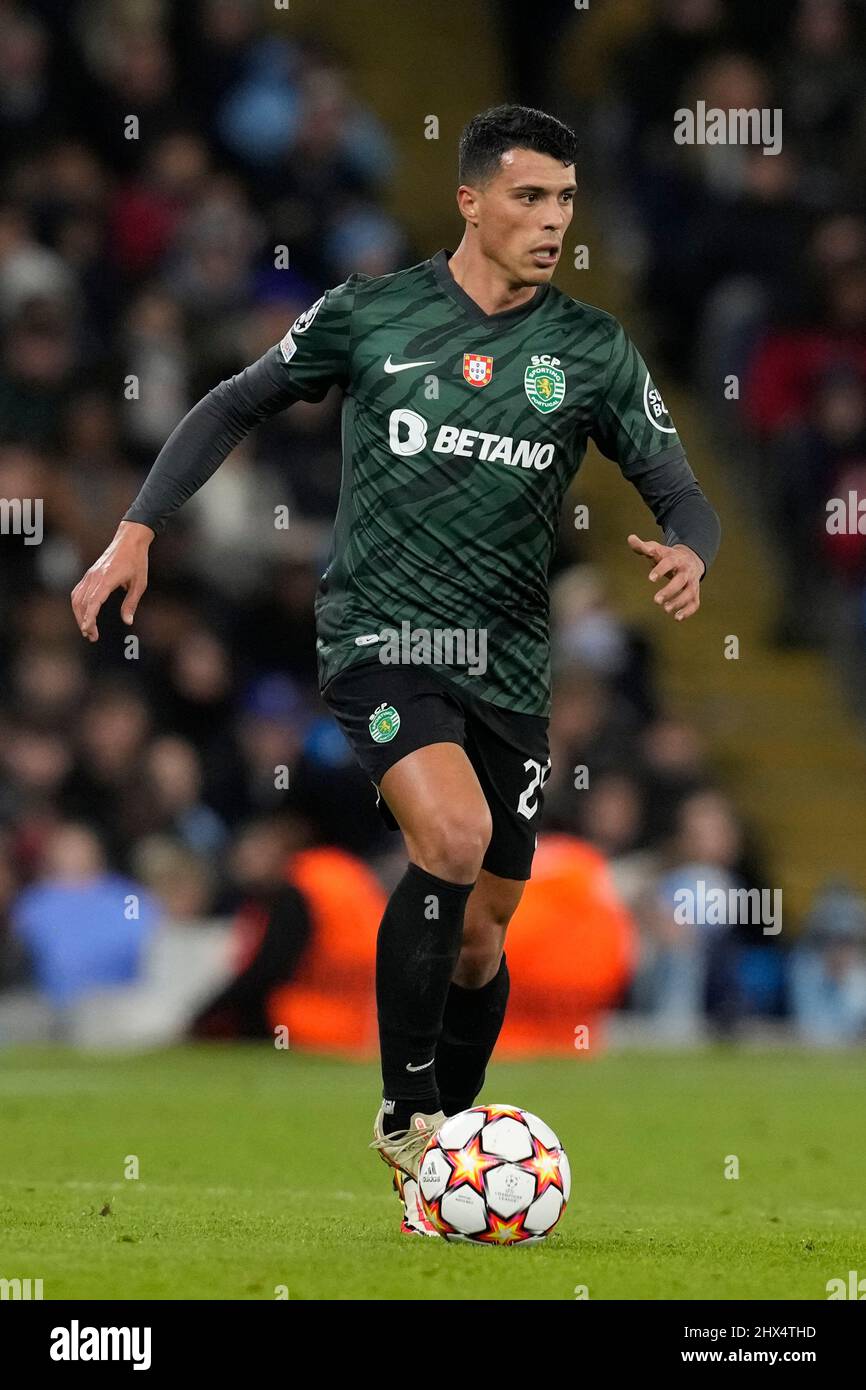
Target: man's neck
(485,281)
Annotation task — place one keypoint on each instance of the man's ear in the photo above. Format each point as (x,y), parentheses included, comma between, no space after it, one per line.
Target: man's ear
(467,202)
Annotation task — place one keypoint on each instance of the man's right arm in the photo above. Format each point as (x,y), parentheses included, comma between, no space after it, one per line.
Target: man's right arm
(312,357)
(206,436)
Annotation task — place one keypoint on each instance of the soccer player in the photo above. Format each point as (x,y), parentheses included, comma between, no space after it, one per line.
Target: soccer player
(472,386)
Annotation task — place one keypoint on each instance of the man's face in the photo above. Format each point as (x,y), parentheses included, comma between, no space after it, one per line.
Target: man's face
(522,214)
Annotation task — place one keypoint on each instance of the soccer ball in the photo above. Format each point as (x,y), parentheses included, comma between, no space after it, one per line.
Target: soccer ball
(495,1175)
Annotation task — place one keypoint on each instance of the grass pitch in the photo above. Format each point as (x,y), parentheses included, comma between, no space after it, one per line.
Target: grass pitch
(254,1174)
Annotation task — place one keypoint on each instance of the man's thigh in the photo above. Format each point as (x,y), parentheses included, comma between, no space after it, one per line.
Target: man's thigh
(390,712)
(510,755)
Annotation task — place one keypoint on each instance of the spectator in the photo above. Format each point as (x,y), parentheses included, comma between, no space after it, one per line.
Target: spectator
(83,927)
(688,964)
(828,969)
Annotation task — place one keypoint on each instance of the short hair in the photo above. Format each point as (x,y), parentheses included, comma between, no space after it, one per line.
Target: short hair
(489,134)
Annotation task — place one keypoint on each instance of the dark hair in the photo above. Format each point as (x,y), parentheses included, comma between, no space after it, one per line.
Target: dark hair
(489,134)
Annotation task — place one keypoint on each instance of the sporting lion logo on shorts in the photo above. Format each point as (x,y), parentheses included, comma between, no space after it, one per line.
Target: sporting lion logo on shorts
(384,723)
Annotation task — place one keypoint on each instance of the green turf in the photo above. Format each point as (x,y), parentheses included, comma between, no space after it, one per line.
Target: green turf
(254,1173)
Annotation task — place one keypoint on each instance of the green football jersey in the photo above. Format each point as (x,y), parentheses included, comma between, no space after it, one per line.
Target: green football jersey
(461,431)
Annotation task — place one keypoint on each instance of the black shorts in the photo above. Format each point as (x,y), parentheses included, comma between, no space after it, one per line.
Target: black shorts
(387,712)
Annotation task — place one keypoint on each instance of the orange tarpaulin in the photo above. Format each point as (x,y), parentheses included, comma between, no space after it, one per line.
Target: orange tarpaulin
(571,950)
(330,1005)
(571,947)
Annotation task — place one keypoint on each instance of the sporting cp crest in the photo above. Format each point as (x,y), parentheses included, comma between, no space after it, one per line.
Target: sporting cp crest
(477,370)
(384,723)
(544,382)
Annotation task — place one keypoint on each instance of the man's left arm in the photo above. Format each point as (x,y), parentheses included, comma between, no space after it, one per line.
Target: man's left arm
(633,426)
(690,525)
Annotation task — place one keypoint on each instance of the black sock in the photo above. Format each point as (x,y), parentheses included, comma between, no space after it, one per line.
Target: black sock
(416,952)
(398,1119)
(470,1026)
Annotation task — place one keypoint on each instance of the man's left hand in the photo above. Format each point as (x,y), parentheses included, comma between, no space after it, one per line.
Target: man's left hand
(683,569)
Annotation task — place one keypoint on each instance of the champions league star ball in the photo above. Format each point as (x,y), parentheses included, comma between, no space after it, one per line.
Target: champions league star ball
(494,1175)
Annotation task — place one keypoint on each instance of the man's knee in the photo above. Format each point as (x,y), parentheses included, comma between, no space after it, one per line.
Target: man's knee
(490,910)
(478,963)
(453,846)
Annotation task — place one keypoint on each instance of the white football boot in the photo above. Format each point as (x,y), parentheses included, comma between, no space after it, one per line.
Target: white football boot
(402,1151)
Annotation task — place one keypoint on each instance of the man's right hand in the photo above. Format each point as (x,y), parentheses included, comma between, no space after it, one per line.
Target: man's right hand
(122,566)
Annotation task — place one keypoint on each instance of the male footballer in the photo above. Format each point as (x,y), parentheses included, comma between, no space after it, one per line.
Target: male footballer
(472,386)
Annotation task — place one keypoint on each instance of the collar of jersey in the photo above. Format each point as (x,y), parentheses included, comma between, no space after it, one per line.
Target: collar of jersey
(446,281)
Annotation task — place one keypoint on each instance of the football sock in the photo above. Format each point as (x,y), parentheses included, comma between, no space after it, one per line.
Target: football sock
(470,1026)
(403,1111)
(416,952)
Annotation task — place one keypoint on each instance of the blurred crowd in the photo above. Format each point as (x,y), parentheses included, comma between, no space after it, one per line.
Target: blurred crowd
(171,769)
(754,264)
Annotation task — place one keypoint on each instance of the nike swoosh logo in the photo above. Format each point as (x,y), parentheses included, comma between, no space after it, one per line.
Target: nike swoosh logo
(390,366)
(423,1067)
